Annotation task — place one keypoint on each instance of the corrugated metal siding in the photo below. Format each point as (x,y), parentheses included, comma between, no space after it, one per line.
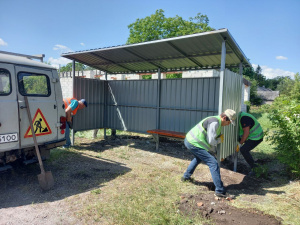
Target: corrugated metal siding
(132,105)
(94,92)
(185,102)
(232,89)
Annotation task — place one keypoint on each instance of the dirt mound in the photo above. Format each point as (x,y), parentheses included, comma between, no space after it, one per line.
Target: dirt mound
(220,211)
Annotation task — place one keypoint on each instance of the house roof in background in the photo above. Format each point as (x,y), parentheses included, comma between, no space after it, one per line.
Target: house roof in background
(267,94)
(246,82)
(189,52)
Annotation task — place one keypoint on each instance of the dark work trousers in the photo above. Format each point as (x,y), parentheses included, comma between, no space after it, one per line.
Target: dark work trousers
(246,148)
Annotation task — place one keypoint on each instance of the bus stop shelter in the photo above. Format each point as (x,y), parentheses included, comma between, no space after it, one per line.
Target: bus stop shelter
(169,104)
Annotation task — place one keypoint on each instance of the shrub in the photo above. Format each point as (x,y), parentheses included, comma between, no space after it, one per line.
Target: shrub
(286,119)
(261,171)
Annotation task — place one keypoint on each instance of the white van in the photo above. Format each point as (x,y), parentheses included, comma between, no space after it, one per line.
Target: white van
(21,76)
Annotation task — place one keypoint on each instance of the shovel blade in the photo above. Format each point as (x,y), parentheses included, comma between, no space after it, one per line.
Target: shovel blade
(46,180)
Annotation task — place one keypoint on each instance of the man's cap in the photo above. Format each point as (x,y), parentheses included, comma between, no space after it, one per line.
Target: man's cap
(84,102)
(231,114)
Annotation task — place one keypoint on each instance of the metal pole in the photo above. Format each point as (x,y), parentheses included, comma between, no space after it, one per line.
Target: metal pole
(222,71)
(73,87)
(241,68)
(158,100)
(105,105)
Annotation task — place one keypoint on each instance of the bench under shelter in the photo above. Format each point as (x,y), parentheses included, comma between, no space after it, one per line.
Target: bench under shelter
(169,105)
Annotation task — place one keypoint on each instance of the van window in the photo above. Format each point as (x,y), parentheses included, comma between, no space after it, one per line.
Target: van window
(31,84)
(5,86)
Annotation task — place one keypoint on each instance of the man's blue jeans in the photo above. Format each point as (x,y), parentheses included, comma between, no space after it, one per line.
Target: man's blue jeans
(203,155)
(67,133)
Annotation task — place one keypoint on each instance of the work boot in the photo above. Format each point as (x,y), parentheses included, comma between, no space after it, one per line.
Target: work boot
(224,195)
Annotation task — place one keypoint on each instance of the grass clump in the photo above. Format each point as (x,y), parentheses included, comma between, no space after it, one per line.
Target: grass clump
(148,203)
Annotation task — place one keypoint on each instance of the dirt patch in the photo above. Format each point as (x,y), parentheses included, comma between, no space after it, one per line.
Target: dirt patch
(220,211)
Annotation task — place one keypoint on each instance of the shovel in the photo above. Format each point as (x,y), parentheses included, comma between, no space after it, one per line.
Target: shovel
(46,180)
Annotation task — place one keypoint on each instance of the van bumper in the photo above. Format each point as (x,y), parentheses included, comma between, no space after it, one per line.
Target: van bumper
(53,144)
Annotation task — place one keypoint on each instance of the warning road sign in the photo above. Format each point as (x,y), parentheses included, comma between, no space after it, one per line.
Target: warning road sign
(40,125)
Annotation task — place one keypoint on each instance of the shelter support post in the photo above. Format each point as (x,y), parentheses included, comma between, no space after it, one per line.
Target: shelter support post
(235,158)
(73,87)
(105,106)
(158,99)
(241,68)
(222,71)
(156,138)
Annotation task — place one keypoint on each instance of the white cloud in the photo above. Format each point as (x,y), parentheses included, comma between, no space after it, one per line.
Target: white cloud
(62,48)
(60,61)
(2,43)
(281,57)
(271,73)
(82,44)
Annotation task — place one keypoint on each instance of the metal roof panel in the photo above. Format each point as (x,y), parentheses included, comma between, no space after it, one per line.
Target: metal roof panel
(189,51)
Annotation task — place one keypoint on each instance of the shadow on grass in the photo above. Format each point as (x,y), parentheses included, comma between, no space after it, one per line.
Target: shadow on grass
(168,147)
(73,173)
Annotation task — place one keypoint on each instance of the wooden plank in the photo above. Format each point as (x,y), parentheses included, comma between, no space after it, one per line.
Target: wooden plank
(167,133)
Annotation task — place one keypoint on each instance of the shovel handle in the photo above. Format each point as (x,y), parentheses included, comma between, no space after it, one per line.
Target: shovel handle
(34,137)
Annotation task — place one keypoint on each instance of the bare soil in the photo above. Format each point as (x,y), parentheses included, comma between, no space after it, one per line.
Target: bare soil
(77,174)
(220,210)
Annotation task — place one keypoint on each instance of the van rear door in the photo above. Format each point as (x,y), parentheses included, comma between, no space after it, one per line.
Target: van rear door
(9,123)
(37,84)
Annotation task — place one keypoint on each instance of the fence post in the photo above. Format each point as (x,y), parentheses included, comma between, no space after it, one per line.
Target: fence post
(105,105)
(73,86)
(158,100)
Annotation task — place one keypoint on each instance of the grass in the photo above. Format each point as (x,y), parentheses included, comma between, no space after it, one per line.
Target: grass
(149,192)
(145,195)
(147,200)
(281,201)
(59,153)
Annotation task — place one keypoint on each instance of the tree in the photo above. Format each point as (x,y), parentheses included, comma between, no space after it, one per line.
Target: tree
(259,77)
(295,93)
(273,83)
(285,86)
(68,67)
(157,26)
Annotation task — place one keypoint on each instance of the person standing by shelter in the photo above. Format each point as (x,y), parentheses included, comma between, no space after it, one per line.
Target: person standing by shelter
(251,135)
(201,139)
(71,107)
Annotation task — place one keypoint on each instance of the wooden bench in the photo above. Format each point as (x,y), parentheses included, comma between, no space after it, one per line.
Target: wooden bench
(165,133)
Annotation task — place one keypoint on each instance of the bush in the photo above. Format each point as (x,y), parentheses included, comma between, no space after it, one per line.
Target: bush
(248,104)
(285,118)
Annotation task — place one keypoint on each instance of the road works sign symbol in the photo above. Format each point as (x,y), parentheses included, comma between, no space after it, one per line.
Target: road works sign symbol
(40,125)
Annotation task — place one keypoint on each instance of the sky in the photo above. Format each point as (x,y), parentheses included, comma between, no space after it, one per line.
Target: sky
(267,31)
